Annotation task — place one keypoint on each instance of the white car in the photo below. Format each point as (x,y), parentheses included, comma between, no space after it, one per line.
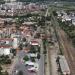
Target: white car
(29,63)
(16,71)
(32,69)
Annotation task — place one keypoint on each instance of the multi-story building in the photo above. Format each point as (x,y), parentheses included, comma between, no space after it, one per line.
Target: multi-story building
(10,0)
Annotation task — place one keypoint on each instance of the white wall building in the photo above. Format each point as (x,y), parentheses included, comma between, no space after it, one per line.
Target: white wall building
(15,43)
(66,18)
(9,0)
(73,22)
(58,13)
(5,51)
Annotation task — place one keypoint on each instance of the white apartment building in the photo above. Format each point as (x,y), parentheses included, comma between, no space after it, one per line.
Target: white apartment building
(10,0)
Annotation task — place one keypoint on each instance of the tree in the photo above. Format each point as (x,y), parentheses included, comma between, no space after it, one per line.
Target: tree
(6,73)
(54,13)
(20,46)
(41,21)
(38,56)
(13,51)
(73,40)
(2,1)
(39,49)
(1,73)
(32,49)
(26,58)
(20,73)
(57,60)
(48,18)
(44,52)
(0,68)
(8,61)
(24,39)
(32,59)
(5,23)
(19,21)
(6,57)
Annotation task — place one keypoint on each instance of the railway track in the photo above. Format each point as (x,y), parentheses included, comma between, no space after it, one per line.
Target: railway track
(68,49)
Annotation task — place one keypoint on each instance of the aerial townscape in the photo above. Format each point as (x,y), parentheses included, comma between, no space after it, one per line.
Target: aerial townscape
(37,37)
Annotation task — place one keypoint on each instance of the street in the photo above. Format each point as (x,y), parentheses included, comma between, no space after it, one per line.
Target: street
(20,66)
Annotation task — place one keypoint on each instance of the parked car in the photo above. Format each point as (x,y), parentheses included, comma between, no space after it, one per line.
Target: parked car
(32,69)
(29,63)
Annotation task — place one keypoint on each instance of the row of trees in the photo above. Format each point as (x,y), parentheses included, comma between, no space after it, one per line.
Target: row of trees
(5,59)
(44,45)
(31,0)
(3,73)
(33,49)
(69,29)
(2,1)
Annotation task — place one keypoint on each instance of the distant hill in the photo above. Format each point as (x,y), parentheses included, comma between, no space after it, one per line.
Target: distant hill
(44,0)
(31,0)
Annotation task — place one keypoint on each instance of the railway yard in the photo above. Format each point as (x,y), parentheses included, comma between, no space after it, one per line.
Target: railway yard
(69,52)
(68,49)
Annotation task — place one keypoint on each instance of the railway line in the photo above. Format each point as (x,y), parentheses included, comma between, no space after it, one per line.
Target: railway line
(68,49)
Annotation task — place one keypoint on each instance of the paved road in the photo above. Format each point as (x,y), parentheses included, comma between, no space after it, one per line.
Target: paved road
(41,65)
(20,66)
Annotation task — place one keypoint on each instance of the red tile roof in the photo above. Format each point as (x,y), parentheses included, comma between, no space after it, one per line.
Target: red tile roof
(7,39)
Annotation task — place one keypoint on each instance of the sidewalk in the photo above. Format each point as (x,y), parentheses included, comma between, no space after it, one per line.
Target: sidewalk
(53,54)
(47,66)
(53,64)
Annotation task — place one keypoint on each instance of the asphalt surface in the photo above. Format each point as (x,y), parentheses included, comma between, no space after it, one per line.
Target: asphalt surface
(41,65)
(20,66)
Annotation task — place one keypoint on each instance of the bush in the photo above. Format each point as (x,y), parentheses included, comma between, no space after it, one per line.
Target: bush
(32,59)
